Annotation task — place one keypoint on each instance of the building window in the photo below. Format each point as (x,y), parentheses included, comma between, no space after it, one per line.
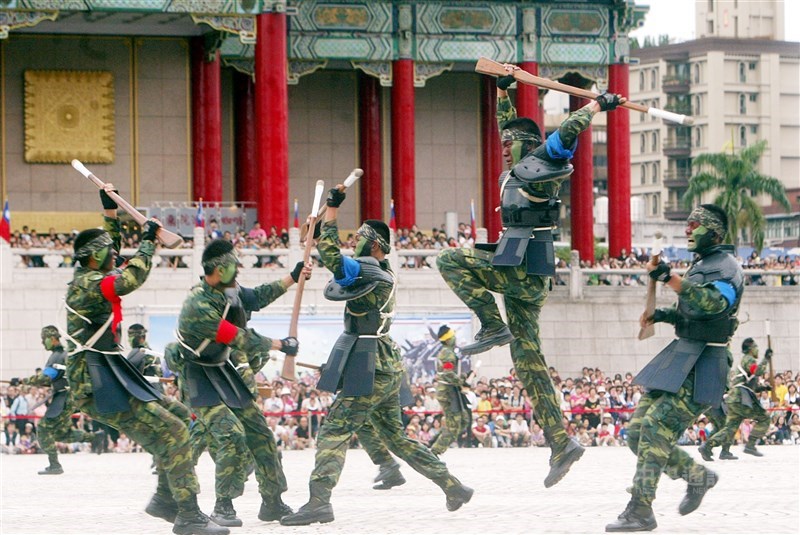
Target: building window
(752,65)
(653,78)
(742,104)
(742,136)
(711,27)
(654,177)
(697,106)
(742,73)
(654,204)
(697,73)
(654,142)
(641,80)
(710,6)
(642,143)
(698,137)
(643,174)
(754,129)
(753,97)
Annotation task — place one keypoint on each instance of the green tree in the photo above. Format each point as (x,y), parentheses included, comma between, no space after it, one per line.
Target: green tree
(735,180)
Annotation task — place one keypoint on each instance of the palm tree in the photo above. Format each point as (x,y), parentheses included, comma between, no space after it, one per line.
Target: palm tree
(736,180)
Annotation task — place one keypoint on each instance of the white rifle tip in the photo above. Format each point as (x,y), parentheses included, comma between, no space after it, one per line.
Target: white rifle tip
(354,175)
(79,167)
(320,187)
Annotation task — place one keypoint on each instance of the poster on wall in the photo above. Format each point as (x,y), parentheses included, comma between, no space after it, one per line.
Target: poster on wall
(415,334)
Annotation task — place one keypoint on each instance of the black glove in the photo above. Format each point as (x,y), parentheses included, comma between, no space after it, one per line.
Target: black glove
(149,230)
(14,381)
(661,273)
(504,82)
(296,271)
(763,388)
(659,316)
(768,354)
(108,202)
(335,197)
(290,345)
(608,101)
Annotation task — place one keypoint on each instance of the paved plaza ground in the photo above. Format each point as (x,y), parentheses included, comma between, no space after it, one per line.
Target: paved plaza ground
(107,494)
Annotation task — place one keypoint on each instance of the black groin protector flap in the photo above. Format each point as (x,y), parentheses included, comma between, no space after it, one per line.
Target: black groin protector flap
(108,393)
(329,379)
(541,256)
(512,246)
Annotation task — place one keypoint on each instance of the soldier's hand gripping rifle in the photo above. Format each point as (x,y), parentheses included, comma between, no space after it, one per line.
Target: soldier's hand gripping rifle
(771,377)
(487,66)
(169,239)
(354,175)
(289,371)
(650,303)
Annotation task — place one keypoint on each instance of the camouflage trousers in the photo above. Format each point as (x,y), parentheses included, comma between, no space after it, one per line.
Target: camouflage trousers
(348,415)
(60,429)
(235,435)
(455,422)
(160,433)
(654,430)
(471,275)
(376,450)
(737,412)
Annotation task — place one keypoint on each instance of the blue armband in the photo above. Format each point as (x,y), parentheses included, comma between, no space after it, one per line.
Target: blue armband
(350,271)
(557,150)
(727,291)
(52,373)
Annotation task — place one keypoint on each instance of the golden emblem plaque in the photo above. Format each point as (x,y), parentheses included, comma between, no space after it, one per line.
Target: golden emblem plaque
(69,114)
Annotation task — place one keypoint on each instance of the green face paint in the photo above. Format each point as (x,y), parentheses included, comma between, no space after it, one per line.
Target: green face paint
(753,350)
(363,247)
(700,239)
(516,151)
(227,273)
(101,256)
(48,343)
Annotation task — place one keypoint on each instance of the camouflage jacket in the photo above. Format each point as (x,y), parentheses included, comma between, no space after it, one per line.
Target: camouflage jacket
(447,367)
(200,318)
(151,364)
(388,359)
(90,309)
(742,385)
(57,357)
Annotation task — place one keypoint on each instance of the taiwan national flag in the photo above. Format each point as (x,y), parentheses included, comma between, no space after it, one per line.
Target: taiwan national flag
(200,216)
(296,215)
(472,218)
(5,224)
(392,222)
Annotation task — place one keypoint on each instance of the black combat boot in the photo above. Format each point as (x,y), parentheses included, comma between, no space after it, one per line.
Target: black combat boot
(55,467)
(99,442)
(191,521)
(162,506)
(751,450)
(726,455)
(493,331)
(696,491)
(561,462)
(224,514)
(706,453)
(314,511)
(636,517)
(273,508)
(389,476)
(457,496)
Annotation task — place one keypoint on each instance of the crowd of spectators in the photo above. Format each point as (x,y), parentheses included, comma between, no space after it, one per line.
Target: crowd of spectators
(597,409)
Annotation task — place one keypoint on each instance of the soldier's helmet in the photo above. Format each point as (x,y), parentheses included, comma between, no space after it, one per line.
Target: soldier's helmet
(50,331)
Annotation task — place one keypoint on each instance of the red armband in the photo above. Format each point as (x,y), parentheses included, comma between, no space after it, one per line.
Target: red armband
(226,332)
(447,366)
(109,291)
(753,368)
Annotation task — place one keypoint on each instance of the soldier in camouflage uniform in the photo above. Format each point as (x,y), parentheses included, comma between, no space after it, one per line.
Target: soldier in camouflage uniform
(690,375)
(57,422)
(457,415)
(743,404)
(219,357)
(107,387)
(521,267)
(364,368)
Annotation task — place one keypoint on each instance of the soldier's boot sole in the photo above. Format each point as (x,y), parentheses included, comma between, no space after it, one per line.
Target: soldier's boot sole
(274,512)
(386,471)
(307,515)
(628,525)
(727,456)
(160,507)
(754,452)
(227,520)
(197,528)
(559,469)
(51,471)
(696,493)
(500,337)
(457,498)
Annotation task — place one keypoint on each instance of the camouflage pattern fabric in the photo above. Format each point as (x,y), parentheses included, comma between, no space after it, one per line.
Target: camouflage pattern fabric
(448,385)
(736,413)
(60,429)
(653,432)
(349,415)
(372,444)
(471,275)
(708,219)
(505,112)
(160,433)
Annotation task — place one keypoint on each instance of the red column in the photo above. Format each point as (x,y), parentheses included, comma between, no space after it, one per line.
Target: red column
(528,96)
(206,125)
(272,120)
(581,190)
(403,171)
(370,146)
(246,164)
(619,165)
(491,159)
